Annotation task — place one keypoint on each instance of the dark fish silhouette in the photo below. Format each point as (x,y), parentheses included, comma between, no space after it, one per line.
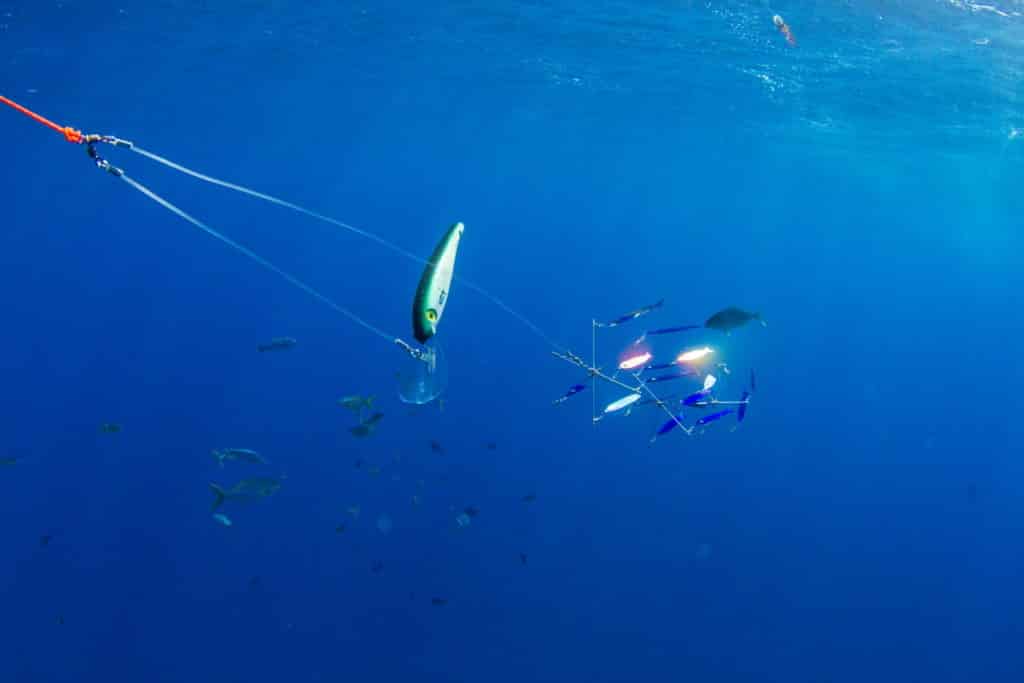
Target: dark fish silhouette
(245,490)
(728,319)
(277,344)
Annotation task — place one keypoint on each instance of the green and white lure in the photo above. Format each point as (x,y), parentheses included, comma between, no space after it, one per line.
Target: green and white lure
(435,285)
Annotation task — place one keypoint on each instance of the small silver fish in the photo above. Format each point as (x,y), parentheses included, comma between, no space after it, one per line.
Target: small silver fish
(356,403)
(245,490)
(240,454)
(277,344)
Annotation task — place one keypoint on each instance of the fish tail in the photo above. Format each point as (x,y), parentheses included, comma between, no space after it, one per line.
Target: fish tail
(219,496)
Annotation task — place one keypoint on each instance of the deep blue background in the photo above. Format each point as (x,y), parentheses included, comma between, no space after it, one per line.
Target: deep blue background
(862,190)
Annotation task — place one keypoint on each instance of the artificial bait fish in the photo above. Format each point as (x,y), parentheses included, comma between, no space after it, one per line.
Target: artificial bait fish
(658,401)
(665,378)
(696,398)
(632,315)
(699,397)
(634,362)
(694,355)
(432,293)
(714,416)
(741,412)
(573,390)
(668,426)
(672,330)
(623,402)
(665,330)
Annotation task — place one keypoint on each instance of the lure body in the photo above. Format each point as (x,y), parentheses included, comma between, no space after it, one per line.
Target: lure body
(432,293)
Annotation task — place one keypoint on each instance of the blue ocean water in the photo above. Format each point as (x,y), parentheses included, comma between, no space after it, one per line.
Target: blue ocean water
(860,189)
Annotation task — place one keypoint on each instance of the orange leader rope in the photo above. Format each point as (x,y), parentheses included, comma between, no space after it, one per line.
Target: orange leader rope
(69,133)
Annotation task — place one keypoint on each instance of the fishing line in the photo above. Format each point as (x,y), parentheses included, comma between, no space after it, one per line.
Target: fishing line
(257,258)
(345,226)
(75,136)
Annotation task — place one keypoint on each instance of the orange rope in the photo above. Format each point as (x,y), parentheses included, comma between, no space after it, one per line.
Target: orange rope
(69,133)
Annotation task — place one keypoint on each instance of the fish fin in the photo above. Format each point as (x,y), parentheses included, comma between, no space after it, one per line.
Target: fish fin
(760,320)
(219,496)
